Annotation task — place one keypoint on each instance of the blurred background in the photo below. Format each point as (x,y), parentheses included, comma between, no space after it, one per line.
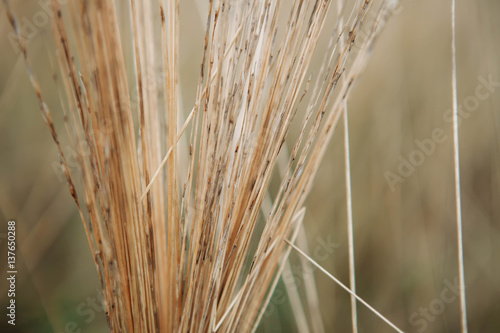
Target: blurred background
(402,182)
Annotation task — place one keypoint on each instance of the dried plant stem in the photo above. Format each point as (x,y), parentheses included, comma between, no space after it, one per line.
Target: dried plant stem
(350,224)
(312,297)
(350,228)
(456,163)
(343,286)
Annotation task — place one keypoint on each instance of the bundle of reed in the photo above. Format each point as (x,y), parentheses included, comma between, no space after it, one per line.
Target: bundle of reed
(174,202)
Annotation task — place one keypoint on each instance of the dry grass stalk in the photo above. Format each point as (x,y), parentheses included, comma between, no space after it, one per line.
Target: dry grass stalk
(456,164)
(173,252)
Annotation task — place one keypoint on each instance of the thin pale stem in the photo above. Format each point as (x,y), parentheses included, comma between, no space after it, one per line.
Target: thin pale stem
(343,286)
(167,155)
(347,168)
(310,287)
(294,298)
(350,229)
(456,155)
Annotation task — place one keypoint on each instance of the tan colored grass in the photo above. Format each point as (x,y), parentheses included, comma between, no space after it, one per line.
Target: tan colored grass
(171,227)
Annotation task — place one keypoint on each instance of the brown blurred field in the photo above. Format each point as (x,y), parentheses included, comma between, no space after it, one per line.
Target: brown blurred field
(405,237)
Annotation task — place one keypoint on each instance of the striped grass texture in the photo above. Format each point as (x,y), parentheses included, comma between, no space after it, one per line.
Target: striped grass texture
(186,233)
